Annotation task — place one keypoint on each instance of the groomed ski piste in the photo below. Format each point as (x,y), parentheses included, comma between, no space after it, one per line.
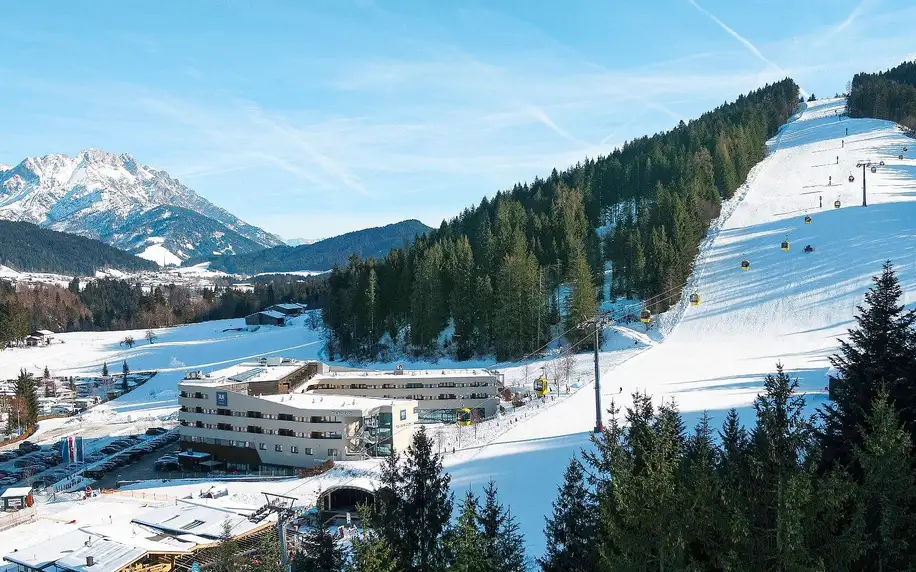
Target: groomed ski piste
(789,307)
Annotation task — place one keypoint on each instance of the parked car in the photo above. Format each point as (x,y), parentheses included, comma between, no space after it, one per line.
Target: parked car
(7,456)
(28,446)
(154,431)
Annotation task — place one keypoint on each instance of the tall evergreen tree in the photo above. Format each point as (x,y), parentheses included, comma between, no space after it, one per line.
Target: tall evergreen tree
(887,495)
(581,303)
(28,397)
(414,506)
(571,533)
(319,552)
(504,544)
(780,487)
(227,555)
(125,371)
(881,350)
(105,369)
(466,543)
(370,551)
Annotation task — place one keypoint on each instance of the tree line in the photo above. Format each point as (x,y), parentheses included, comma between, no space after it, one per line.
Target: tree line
(114,304)
(887,95)
(492,273)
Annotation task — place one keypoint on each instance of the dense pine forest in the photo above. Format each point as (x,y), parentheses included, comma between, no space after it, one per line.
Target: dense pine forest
(493,271)
(29,248)
(110,304)
(887,95)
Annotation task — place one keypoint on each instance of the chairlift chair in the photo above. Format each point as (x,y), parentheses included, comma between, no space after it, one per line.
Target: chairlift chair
(900,156)
(807,219)
(836,204)
(745,264)
(695,299)
(874,169)
(784,245)
(852,179)
(881,163)
(645,316)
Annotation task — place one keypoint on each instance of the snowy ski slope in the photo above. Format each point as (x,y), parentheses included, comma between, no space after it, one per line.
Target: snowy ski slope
(789,307)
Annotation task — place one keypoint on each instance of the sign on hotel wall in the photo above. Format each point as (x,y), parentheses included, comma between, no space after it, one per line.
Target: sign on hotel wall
(222,399)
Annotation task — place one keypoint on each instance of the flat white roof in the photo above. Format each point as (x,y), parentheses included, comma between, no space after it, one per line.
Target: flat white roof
(200,521)
(47,551)
(407,374)
(16,492)
(107,555)
(248,372)
(329,402)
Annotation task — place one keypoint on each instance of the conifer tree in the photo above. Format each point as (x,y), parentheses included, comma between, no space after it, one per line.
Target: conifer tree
(25,392)
(581,303)
(227,554)
(125,371)
(570,531)
(370,551)
(414,506)
(47,374)
(268,553)
(466,543)
(504,544)
(318,552)
(105,369)
(887,494)
(780,487)
(881,350)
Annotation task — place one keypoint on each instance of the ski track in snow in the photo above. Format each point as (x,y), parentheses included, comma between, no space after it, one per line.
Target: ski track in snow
(789,307)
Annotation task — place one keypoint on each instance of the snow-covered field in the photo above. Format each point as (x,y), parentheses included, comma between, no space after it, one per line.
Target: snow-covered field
(789,307)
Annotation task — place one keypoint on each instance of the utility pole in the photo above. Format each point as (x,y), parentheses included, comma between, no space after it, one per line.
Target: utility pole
(599,425)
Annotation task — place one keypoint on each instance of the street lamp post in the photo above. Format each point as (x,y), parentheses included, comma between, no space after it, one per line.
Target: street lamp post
(865,165)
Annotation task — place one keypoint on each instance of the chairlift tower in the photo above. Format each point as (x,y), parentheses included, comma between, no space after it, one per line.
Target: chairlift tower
(598,323)
(282,506)
(874,167)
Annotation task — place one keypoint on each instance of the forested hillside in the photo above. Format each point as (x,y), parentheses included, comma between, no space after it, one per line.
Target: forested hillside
(887,95)
(492,269)
(324,254)
(28,248)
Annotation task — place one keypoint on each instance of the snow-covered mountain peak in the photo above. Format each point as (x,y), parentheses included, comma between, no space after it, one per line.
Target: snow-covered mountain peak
(100,194)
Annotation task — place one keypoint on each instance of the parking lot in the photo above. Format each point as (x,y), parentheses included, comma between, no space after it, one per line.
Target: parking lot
(41,467)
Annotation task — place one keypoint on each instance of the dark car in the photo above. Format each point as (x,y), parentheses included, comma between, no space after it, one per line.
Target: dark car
(28,446)
(153,431)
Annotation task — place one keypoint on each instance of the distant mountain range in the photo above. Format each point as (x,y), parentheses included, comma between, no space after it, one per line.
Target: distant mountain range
(25,247)
(301,241)
(324,254)
(115,199)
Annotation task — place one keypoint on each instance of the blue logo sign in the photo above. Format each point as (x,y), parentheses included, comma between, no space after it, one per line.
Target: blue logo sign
(222,399)
(403,415)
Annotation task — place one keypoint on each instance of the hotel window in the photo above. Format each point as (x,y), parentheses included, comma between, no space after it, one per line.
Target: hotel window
(332,452)
(278,448)
(307,451)
(294,449)
(262,446)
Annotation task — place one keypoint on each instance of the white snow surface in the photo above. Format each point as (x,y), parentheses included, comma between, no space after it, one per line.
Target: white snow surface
(790,307)
(160,255)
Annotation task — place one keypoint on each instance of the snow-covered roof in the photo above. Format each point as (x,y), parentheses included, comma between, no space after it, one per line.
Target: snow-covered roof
(202,521)
(329,402)
(43,332)
(49,550)
(289,306)
(16,492)
(106,554)
(405,374)
(272,313)
(250,372)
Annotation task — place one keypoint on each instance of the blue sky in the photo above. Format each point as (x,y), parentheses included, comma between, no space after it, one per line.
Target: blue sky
(314,118)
